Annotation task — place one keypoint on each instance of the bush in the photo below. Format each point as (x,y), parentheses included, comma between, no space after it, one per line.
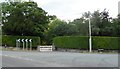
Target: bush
(108,43)
(11,40)
(78,42)
(0,40)
(74,42)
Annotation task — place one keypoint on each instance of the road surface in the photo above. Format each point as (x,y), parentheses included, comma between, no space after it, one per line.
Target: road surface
(57,59)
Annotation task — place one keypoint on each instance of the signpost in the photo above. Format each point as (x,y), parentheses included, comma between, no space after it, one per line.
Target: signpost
(26,44)
(17,44)
(23,44)
(30,40)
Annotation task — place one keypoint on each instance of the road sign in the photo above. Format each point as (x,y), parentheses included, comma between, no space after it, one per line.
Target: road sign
(22,40)
(30,40)
(26,40)
(18,40)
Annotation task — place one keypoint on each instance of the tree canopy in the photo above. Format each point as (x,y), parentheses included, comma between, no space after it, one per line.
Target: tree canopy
(24,18)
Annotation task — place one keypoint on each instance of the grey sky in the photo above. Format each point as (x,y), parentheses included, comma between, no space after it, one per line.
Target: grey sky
(71,9)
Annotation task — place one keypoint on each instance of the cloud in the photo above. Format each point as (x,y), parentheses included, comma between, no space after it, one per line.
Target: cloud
(71,9)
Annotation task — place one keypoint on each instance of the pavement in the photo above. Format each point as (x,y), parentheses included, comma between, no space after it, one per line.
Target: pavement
(57,59)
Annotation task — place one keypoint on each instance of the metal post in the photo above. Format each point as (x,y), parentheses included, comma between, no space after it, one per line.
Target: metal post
(90,38)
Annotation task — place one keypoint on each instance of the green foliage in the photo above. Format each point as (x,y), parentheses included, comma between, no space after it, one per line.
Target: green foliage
(55,26)
(80,25)
(0,40)
(74,42)
(11,40)
(101,24)
(59,28)
(106,43)
(25,18)
(50,32)
(77,42)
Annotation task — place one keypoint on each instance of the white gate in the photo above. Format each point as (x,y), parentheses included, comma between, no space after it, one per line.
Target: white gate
(45,48)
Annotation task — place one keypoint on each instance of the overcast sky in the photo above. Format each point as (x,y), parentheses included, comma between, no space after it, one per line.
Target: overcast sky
(71,9)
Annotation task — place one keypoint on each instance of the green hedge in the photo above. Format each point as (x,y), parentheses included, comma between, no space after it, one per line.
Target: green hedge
(11,40)
(105,42)
(0,40)
(71,42)
(78,42)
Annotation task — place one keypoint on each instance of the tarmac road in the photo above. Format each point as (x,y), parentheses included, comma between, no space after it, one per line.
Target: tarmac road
(57,59)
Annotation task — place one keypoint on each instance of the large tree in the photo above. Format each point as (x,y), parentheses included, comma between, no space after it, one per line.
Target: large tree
(101,24)
(24,18)
(82,26)
(59,27)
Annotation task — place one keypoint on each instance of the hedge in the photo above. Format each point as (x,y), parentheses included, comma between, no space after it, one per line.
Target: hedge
(78,42)
(105,42)
(11,40)
(71,42)
(0,40)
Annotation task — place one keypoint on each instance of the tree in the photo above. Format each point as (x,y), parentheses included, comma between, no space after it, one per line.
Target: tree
(101,26)
(49,33)
(65,30)
(59,28)
(81,24)
(116,25)
(24,18)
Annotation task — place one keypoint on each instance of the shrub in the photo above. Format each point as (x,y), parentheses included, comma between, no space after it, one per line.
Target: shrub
(78,42)
(105,42)
(11,40)
(74,42)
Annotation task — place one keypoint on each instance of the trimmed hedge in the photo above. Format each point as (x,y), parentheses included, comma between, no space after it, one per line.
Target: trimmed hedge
(108,43)
(0,40)
(78,42)
(74,42)
(11,40)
